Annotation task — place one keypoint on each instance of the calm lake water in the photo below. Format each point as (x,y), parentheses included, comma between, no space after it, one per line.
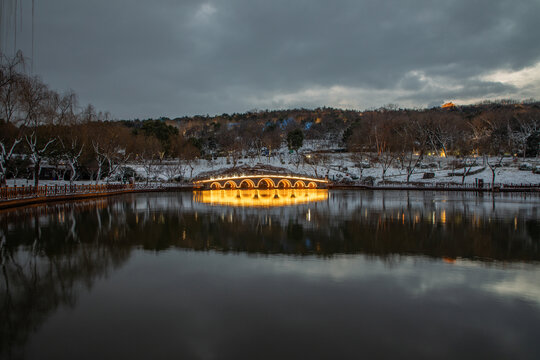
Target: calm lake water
(273,274)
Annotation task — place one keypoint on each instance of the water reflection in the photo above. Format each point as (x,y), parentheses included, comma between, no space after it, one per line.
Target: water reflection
(451,226)
(398,245)
(261,197)
(48,255)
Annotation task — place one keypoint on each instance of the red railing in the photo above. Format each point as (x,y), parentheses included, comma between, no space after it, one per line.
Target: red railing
(465,187)
(24,192)
(441,186)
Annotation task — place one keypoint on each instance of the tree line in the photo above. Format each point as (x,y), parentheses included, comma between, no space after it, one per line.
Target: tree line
(491,131)
(41,126)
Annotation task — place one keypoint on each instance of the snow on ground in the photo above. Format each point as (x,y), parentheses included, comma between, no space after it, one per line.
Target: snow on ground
(337,166)
(342,167)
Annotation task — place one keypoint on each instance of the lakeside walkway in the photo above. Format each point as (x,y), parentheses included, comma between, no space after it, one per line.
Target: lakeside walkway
(442,187)
(13,196)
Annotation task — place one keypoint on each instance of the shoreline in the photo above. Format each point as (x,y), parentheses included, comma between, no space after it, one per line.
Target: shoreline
(497,189)
(9,204)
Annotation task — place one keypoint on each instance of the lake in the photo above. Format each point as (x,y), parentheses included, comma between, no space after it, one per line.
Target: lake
(266,274)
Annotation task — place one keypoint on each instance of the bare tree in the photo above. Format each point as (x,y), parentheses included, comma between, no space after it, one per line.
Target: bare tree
(174,169)
(110,148)
(468,146)
(37,106)
(89,114)
(10,84)
(100,160)
(361,161)
(10,137)
(495,141)
(72,150)
(189,154)
(441,131)
(385,154)
(414,139)
(527,126)
(149,155)
(65,106)
(11,122)
(70,134)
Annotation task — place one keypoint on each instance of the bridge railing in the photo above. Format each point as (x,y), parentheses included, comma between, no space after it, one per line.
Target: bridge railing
(26,192)
(253,181)
(451,186)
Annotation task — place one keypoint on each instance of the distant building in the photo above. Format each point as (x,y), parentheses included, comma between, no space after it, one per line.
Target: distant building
(448,105)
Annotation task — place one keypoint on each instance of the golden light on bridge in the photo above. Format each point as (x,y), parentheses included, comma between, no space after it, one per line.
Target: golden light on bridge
(266,181)
(260,197)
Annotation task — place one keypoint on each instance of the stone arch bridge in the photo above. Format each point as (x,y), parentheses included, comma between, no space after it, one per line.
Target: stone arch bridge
(266,181)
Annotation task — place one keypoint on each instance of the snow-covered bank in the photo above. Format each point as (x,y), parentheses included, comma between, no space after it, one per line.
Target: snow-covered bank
(342,166)
(337,166)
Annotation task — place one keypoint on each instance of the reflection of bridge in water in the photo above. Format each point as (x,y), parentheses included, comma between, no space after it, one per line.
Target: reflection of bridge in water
(260,197)
(266,181)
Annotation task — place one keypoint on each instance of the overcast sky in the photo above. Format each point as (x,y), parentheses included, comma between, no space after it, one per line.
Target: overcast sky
(140,59)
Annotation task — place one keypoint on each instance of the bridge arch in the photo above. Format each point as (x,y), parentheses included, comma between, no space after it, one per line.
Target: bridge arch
(265,183)
(262,182)
(229,185)
(247,183)
(284,184)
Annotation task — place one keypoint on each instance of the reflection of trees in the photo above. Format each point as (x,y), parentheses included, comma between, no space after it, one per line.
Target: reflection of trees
(48,256)
(377,233)
(383,224)
(49,253)
(375,226)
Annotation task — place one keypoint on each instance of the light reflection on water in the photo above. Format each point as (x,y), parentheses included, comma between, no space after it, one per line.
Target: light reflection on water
(356,274)
(260,197)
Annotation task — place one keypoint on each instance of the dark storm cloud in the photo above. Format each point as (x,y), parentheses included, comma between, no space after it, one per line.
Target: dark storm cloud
(173,58)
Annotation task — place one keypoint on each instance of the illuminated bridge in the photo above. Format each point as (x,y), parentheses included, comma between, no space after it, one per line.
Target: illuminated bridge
(263,181)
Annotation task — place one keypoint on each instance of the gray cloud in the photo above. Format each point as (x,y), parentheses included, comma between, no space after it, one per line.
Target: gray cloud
(165,57)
